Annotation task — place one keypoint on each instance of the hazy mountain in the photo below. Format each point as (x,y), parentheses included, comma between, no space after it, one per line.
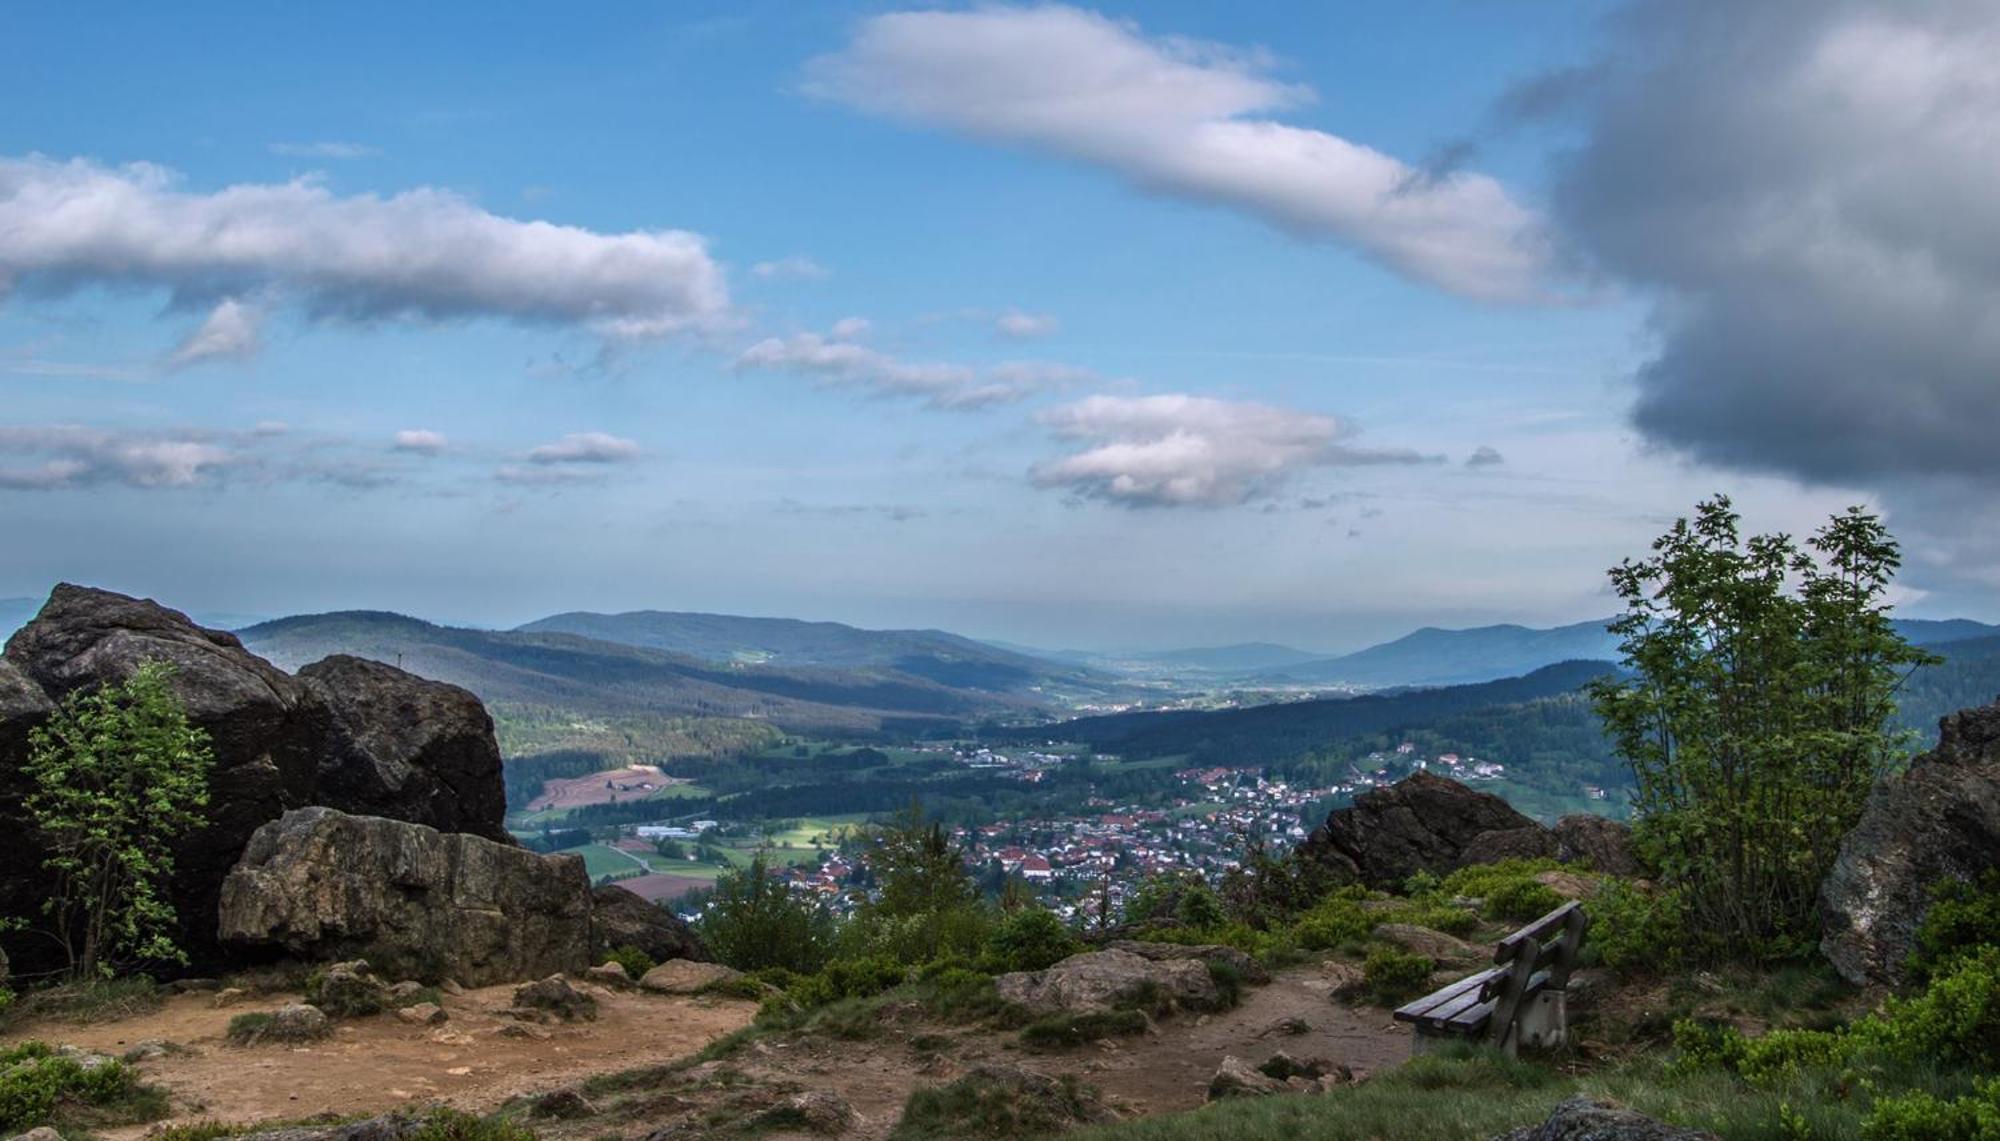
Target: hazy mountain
(1243,657)
(933,655)
(1433,656)
(585,675)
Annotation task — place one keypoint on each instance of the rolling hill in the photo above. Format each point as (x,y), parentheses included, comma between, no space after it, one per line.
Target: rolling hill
(589,676)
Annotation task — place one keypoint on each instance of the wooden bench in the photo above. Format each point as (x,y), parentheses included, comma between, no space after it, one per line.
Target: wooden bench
(1520,999)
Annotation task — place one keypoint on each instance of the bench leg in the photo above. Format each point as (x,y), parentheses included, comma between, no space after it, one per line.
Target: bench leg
(1542,1023)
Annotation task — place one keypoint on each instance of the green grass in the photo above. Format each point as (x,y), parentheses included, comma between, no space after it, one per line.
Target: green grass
(1061,1031)
(40,1087)
(103,1000)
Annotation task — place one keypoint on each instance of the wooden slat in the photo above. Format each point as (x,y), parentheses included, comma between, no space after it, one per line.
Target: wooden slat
(1472,1019)
(1446,1013)
(1538,931)
(1411,1012)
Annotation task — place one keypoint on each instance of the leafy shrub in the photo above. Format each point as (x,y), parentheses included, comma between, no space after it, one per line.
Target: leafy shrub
(1923,1116)
(1436,916)
(635,960)
(39,1086)
(1228,985)
(745,987)
(1059,1031)
(962,931)
(1519,901)
(1200,908)
(1334,922)
(1956,1020)
(1963,918)
(754,921)
(1634,931)
(1393,975)
(986,1104)
(860,978)
(961,995)
(1030,940)
(1482,880)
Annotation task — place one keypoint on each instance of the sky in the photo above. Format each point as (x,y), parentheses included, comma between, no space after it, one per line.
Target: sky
(1104,327)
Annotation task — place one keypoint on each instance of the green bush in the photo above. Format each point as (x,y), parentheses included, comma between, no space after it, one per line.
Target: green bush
(1923,1116)
(39,1086)
(860,978)
(1200,908)
(1334,922)
(1443,917)
(1520,901)
(635,960)
(1963,918)
(1633,931)
(1030,940)
(1956,1020)
(1060,1031)
(1228,985)
(1482,880)
(755,922)
(1394,976)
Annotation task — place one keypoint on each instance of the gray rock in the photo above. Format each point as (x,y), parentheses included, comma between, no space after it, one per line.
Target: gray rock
(561,1105)
(39,1133)
(1423,823)
(401,746)
(423,1014)
(816,1111)
(1434,945)
(609,974)
(1938,822)
(419,903)
(349,734)
(1604,844)
(1103,980)
(1238,1078)
(680,976)
(1246,967)
(623,919)
(1587,1119)
(555,996)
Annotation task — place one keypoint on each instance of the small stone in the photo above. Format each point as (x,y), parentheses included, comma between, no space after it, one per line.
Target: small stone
(524,1030)
(423,1014)
(555,995)
(39,1133)
(451,987)
(609,974)
(152,1048)
(1236,1078)
(229,996)
(401,993)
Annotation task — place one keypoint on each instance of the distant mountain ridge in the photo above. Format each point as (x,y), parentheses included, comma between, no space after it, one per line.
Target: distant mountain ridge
(559,670)
(1434,656)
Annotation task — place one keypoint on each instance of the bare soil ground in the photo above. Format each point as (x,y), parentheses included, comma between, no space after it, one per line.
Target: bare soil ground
(379,1063)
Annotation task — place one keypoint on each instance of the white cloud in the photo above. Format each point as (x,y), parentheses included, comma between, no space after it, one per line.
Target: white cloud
(229,333)
(67,456)
(422,254)
(1025,326)
(1193,451)
(421,441)
(851,328)
(794,268)
(839,360)
(1193,119)
(586,448)
(328,150)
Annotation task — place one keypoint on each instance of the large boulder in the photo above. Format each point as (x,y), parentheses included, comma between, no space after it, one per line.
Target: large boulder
(1936,823)
(398,745)
(347,733)
(1606,845)
(1104,980)
(416,902)
(1423,823)
(626,920)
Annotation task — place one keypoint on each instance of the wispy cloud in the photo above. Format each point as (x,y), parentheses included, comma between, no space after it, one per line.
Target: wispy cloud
(1177,116)
(339,151)
(229,333)
(1025,326)
(794,268)
(420,441)
(839,358)
(586,448)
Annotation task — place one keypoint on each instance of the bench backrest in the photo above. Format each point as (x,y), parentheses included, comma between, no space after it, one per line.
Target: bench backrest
(1537,957)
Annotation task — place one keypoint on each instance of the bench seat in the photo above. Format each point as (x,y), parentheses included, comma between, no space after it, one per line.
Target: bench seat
(1519,998)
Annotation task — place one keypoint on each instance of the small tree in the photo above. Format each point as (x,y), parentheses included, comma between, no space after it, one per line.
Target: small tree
(118,775)
(1762,677)
(754,921)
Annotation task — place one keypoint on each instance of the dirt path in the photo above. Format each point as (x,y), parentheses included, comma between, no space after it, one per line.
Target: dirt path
(1169,1071)
(379,1063)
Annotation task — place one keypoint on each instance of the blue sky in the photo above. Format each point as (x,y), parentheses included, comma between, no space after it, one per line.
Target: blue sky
(1110,326)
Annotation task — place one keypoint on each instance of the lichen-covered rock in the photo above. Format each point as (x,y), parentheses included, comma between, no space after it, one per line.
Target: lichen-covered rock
(1238,1078)
(1587,1119)
(417,902)
(1939,821)
(348,990)
(554,995)
(624,919)
(1604,844)
(353,735)
(561,1105)
(1247,968)
(815,1111)
(609,974)
(401,746)
(682,976)
(1422,823)
(1103,980)
(423,1014)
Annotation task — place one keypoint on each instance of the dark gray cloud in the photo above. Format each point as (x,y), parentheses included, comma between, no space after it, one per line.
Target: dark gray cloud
(1485,455)
(1806,190)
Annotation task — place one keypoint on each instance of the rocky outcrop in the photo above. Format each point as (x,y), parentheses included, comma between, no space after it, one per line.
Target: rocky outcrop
(399,746)
(626,920)
(1247,968)
(416,902)
(1105,980)
(1589,1119)
(1421,823)
(1936,823)
(681,976)
(347,733)
(1606,845)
